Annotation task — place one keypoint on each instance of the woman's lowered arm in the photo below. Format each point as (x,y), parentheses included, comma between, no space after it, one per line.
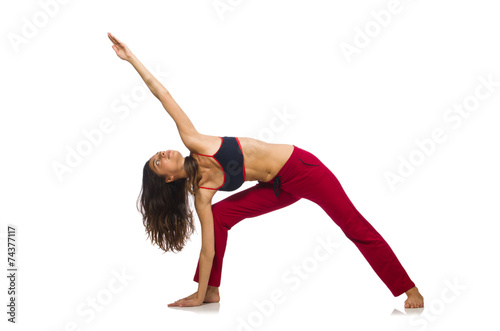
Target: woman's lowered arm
(190,137)
(203,203)
(203,206)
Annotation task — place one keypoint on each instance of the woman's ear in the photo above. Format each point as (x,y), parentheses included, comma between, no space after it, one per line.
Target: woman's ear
(169,179)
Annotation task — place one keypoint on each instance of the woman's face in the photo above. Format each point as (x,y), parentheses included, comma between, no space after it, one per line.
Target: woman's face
(166,164)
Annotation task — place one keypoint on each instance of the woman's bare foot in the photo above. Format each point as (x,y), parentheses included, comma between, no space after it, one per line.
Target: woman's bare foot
(212,295)
(415,299)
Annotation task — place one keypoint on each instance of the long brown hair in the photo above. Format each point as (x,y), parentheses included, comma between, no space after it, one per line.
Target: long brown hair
(166,215)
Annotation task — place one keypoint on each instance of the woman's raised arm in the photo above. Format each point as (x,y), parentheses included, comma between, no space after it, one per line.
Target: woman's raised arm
(189,135)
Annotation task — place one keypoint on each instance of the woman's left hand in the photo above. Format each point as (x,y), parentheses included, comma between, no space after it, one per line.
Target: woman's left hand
(120,48)
(186,302)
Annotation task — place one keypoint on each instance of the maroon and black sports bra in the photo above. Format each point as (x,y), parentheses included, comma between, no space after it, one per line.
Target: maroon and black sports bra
(230,158)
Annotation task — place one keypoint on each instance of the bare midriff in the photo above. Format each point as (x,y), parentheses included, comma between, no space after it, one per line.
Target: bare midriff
(263,160)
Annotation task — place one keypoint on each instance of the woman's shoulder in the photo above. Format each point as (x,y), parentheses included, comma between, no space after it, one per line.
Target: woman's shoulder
(205,144)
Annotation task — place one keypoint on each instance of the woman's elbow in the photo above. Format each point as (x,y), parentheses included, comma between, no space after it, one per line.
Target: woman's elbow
(208,253)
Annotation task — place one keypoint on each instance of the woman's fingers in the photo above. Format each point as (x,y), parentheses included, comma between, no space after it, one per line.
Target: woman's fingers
(183,299)
(185,302)
(174,304)
(190,303)
(113,39)
(118,42)
(177,303)
(110,36)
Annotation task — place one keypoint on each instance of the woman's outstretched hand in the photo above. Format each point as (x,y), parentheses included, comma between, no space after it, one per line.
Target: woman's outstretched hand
(120,48)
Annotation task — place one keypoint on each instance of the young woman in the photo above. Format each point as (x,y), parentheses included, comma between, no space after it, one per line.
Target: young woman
(285,174)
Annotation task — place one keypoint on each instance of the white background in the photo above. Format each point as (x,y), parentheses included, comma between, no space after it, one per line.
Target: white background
(231,72)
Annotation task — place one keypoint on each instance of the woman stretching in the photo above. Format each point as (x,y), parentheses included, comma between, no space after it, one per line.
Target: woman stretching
(285,174)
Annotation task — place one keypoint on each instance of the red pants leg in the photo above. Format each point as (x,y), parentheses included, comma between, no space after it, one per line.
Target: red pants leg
(306,176)
(252,202)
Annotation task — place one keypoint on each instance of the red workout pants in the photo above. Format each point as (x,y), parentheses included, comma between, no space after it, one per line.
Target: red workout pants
(305,176)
